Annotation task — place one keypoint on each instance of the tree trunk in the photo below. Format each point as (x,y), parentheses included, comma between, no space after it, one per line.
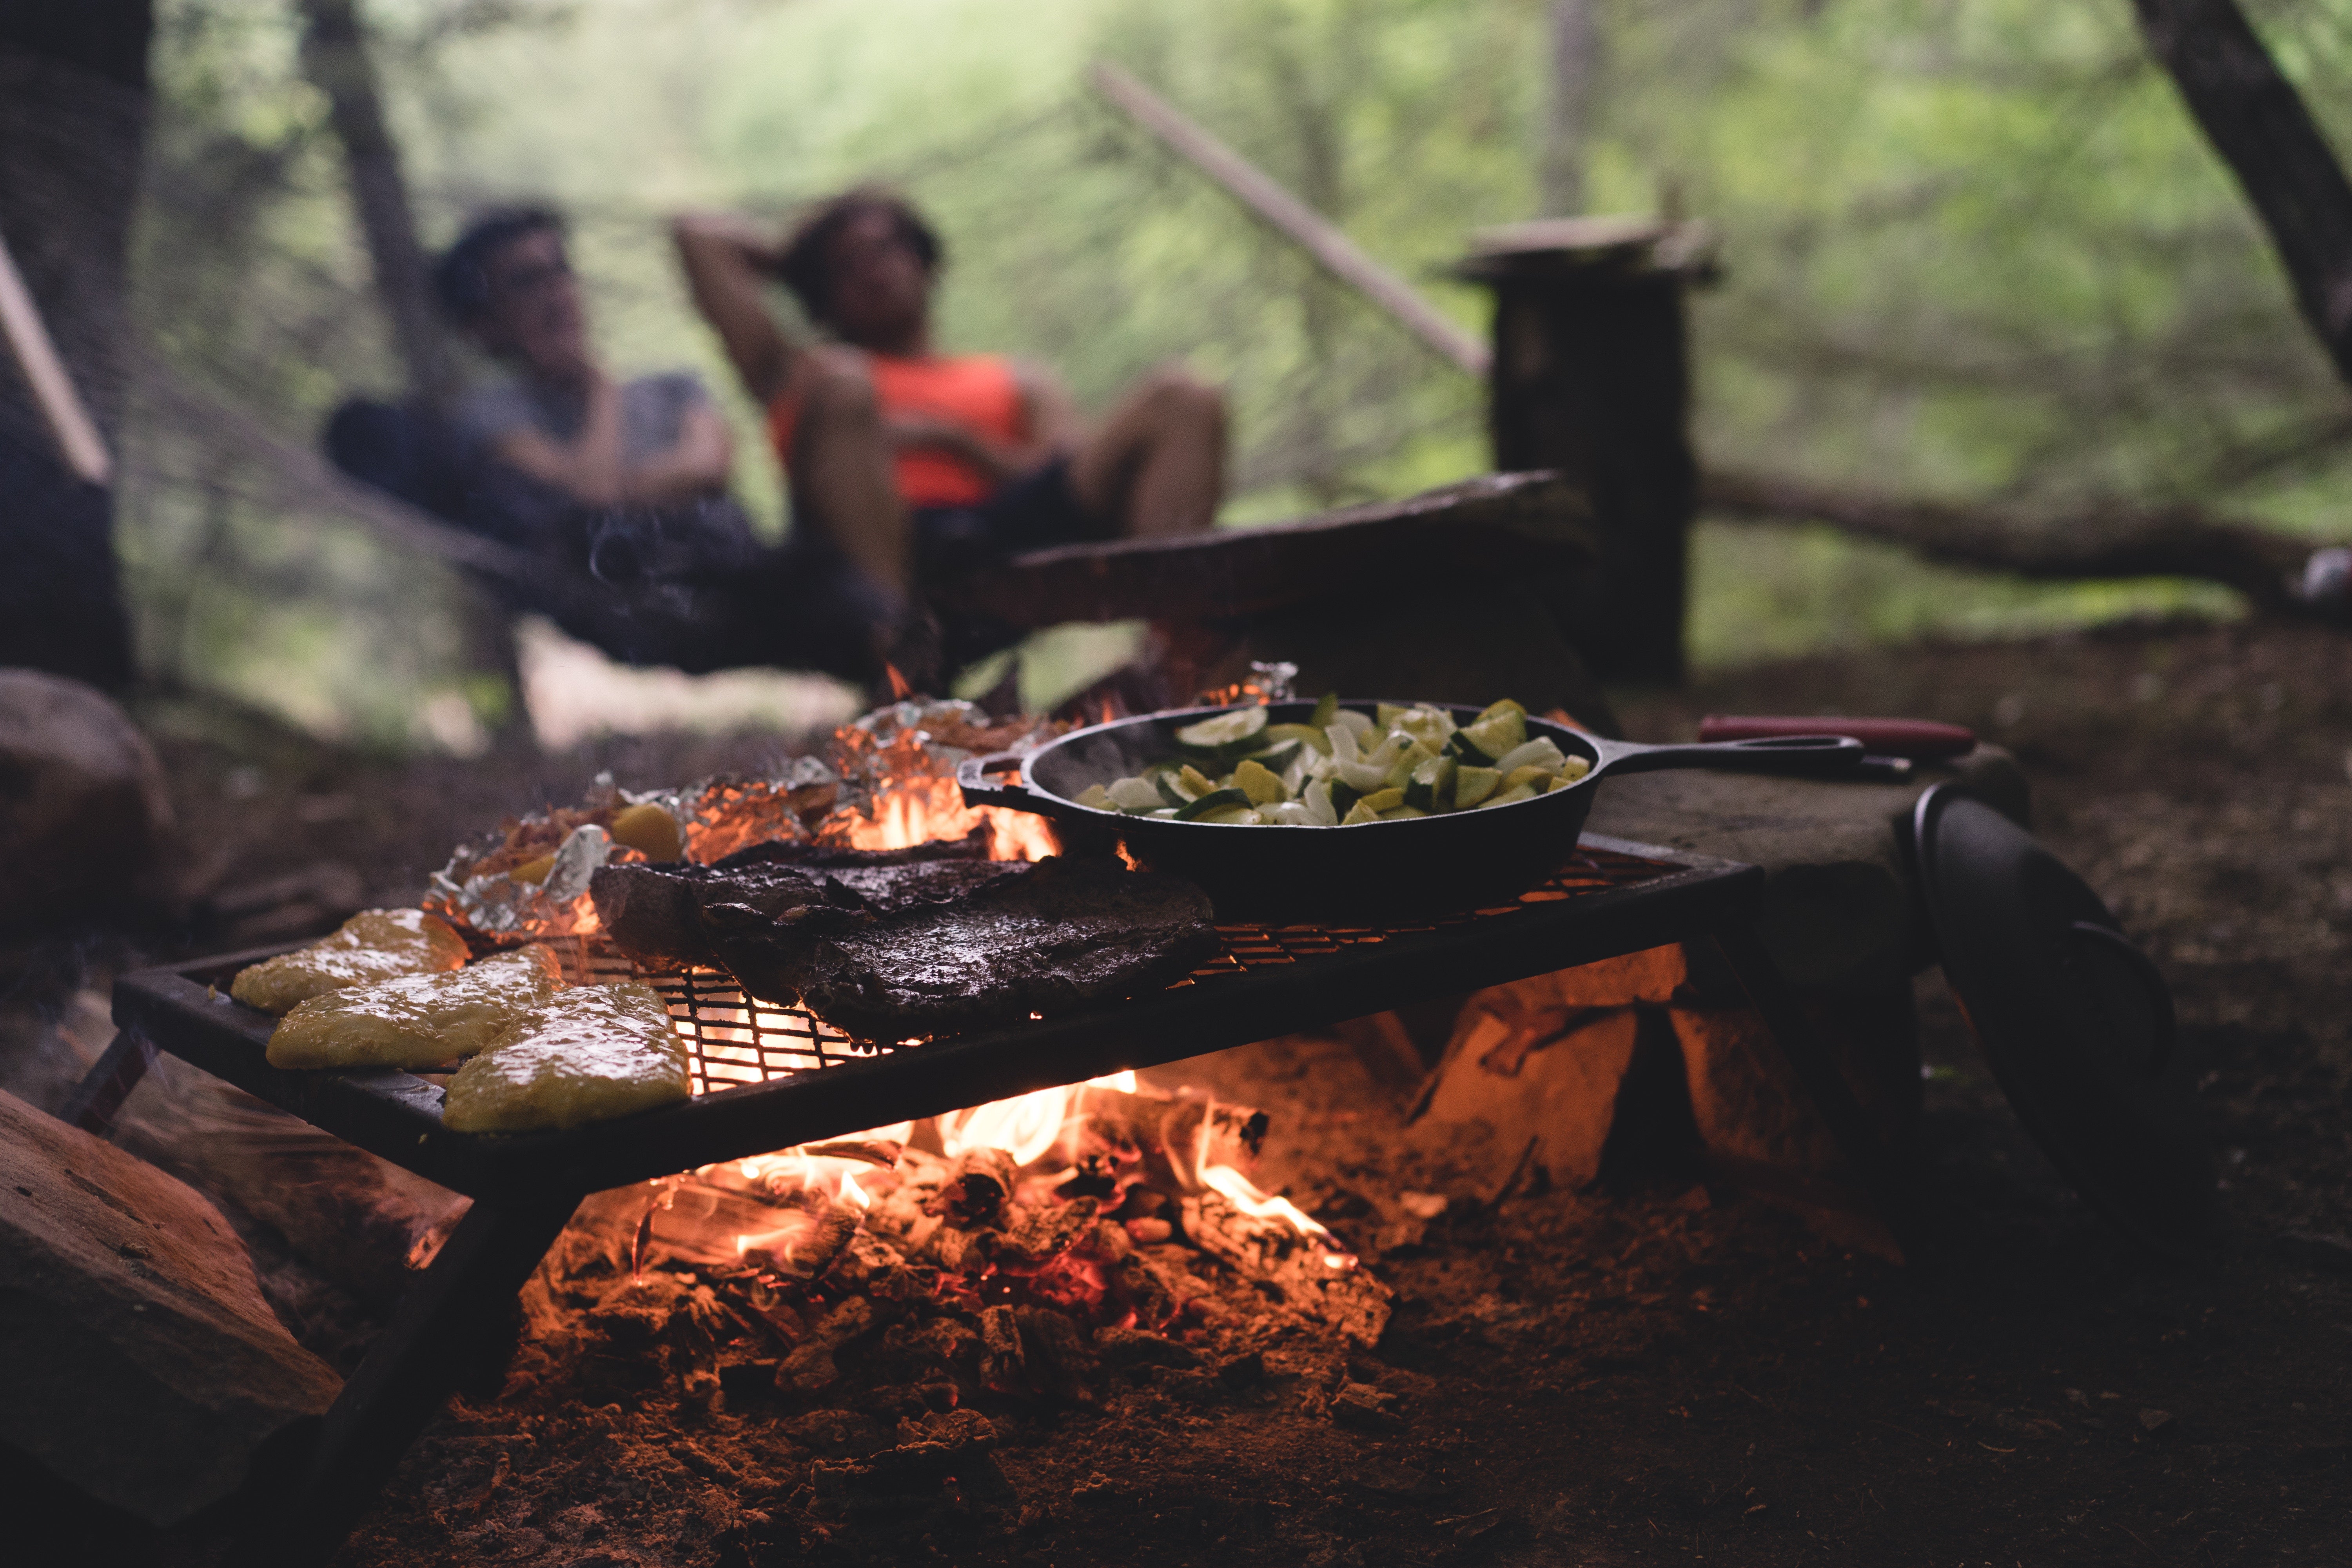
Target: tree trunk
(335,57)
(2258,124)
(73,119)
(1575,45)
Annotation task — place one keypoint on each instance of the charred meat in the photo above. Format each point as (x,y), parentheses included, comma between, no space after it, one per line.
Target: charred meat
(1041,939)
(657,913)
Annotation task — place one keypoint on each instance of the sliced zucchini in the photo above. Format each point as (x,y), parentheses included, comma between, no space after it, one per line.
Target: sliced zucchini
(1511,796)
(1472,784)
(1136,794)
(1288,814)
(1273,759)
(1217,800)
(1381,800)
(1308,735)
(1401,770)
(1228,728)
(1430,726)
(1327,711)
(1095,798)
(1232,817)
(1531,775)
(1193,782)
(1399,812)
(1574,769)
(1358,813)
(1344,796)
(1495,734)
(1386,714)
(1430,787)
(1539,752)
(1258,782)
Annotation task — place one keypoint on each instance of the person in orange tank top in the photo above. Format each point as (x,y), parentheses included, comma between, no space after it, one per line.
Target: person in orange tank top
(920,465)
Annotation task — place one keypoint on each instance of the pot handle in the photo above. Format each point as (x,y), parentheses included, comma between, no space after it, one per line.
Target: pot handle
(1801,756)
(972,779)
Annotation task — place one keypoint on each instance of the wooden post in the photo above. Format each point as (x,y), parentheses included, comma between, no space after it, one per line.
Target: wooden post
(1591,377)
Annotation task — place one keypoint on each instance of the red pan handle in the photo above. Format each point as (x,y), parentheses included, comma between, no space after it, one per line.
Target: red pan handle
(1915,738)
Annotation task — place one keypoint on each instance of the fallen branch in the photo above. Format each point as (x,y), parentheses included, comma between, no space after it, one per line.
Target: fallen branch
(2102,541)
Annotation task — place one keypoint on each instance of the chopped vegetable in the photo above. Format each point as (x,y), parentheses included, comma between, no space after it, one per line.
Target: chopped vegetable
(1344,768)
(1224,730)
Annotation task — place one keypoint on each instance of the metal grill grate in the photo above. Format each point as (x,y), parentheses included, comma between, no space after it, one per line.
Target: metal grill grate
(736,1040)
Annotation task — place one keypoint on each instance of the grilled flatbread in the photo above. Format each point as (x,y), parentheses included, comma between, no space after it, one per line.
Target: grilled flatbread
(588,1054)
(418,1020)
(373,945)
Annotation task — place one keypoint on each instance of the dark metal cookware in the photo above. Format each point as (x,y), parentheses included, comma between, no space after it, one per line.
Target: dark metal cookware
(1421,865)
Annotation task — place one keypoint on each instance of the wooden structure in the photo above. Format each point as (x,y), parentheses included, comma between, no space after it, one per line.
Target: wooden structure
(1591,376)
(1427,597)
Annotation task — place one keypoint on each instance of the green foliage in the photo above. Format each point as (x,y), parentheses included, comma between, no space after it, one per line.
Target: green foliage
(1974,247)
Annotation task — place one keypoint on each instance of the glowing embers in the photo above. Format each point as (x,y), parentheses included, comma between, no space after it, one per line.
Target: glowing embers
(1087,1199)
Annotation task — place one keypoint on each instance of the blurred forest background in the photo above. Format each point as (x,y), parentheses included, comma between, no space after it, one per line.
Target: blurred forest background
(1974,249)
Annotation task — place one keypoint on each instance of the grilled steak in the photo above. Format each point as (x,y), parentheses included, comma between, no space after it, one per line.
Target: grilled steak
(656,914)
(1047,938)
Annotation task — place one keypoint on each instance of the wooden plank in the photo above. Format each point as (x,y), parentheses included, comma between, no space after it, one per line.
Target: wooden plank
(1496,524)
(1289,217)
(28,339)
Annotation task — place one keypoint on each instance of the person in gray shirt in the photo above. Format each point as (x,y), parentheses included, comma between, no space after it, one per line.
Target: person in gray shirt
(560,418)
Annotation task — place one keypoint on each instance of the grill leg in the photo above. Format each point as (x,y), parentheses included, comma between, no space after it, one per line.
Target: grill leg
(411,1371)
(1895,1183)
(96,1099)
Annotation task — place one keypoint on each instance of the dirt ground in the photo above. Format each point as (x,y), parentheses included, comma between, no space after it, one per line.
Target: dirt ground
(1652,1372)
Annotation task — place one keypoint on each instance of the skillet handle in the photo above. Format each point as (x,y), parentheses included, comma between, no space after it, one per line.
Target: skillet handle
(1797,756)
(972,779)
(1919,739)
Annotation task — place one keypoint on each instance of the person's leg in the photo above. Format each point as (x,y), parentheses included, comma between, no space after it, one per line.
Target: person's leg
(842,478)
(1156,466)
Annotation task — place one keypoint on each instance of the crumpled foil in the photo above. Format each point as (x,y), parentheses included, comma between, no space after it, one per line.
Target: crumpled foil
(909,745)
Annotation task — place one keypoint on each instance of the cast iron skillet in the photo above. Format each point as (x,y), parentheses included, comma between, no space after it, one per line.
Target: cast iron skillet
(1421,865)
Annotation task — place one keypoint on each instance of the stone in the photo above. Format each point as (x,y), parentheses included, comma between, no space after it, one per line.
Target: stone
(1543,1078)
(1745,1101)
(138,1363)
(85,819)
(1840,906)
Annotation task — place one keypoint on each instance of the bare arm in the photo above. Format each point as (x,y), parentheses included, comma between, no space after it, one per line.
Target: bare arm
(589,465)
(726,257)
(696,464)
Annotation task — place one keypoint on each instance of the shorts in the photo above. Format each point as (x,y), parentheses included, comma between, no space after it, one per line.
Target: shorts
(1035,511)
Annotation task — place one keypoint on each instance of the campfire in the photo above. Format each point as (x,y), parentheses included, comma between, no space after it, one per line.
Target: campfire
(1025,1250)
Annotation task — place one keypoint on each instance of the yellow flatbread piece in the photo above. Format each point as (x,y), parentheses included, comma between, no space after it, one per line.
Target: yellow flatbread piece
(418,1020)
(588,1054)
(372,945)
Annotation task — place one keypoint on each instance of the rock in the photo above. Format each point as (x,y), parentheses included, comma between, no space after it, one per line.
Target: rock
(1746,1102)
(140,1365)
(1543,1078)
(2157,1423)
(1840,906)
(84,815)
(1364,1407)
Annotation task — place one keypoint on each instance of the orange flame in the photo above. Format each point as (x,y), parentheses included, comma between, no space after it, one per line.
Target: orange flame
(1245,1195)
(1027,1126)
(899,690)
